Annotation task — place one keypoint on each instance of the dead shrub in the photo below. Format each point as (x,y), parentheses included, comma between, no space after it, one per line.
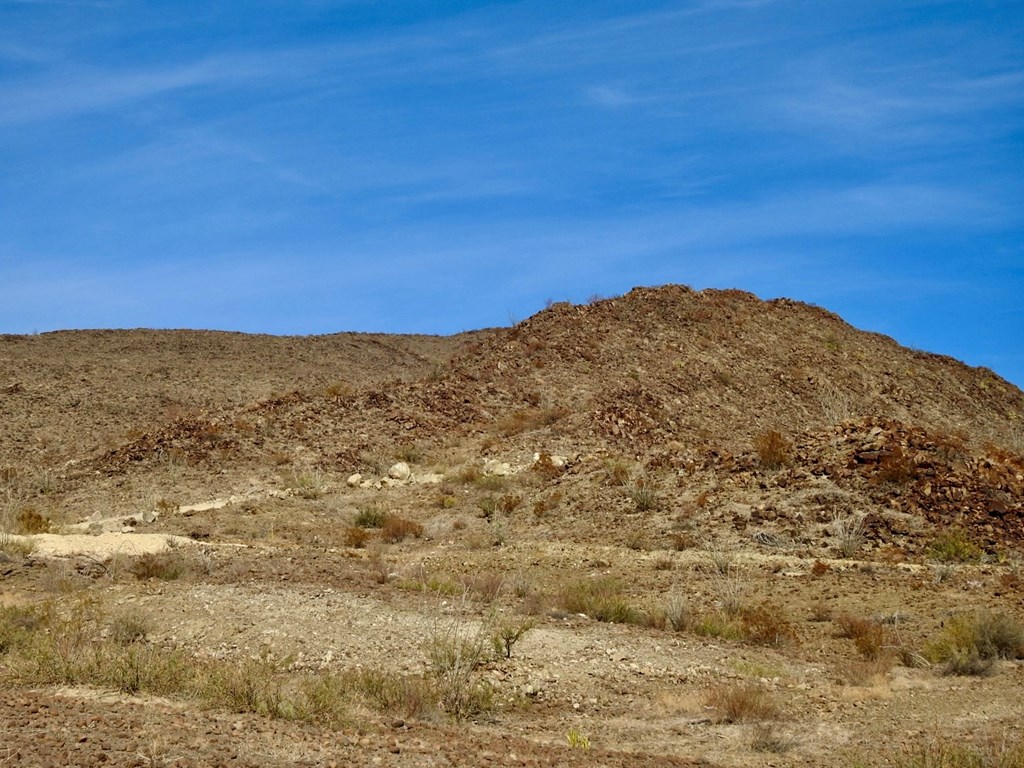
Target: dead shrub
(396,529)
(547,503)
(165,566)
(356,537)
(742,703)
(509,502)
(30,521)
(868,635)
(528,420)
(896,467)
(767,624)
(546,467)
(773,449)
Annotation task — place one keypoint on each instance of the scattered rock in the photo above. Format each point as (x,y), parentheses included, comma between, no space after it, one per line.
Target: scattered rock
(400,472)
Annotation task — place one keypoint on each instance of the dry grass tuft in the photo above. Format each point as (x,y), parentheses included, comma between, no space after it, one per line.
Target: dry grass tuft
(396,529)
(601,599)
(773,449)
(742,703)
(867,634)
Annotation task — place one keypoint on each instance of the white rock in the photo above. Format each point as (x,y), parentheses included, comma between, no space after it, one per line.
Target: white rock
(400,471)
(495,467)
(354,480)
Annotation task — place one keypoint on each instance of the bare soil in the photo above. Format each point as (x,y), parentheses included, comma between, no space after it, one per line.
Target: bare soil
(621,442)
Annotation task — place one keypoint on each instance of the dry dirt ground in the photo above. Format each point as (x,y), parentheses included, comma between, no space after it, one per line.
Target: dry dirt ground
(677,496)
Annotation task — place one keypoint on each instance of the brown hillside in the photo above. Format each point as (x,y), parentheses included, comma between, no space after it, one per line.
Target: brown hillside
(320,550)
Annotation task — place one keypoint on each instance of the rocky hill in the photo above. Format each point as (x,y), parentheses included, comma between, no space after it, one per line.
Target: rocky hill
(684,493)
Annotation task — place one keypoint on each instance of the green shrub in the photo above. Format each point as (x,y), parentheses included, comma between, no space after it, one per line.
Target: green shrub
(969,643)
(954,546)
(601,599)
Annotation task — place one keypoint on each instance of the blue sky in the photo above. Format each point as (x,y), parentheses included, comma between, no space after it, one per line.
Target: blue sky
(416,166)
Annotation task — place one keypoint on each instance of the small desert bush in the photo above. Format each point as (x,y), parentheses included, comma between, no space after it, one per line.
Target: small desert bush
(411,453)
(742,703)
(679,617)
(767,624)
(601,599)
(718,625)
(370,516)
(392,693)
(255,685)
(849,532)
(644,496)
(954,546)
(15,547)
(396,529)
(969,643)
(308,483)
(19,625)
(30,521)
(771,737)
(865,673)
(129,627)
(507,634)
(948,752)
(773,449)
(165,566)
(356,537)
(455,653)
(868,635)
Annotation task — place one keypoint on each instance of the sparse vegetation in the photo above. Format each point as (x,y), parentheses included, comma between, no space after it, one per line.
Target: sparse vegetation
(601,599)
(969,643)
(849,532)
(773,449)
(954,546)
(644,496)
(370,517)
(396,529)
(742,703)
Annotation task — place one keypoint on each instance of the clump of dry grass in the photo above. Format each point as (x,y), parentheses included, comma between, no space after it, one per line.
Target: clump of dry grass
(773,449)
(168,565)
(644,495)
(356,537)
(849,531)
(601,599)
(529,419)
(742,703)
(868,635)
(996,751)
(396,529)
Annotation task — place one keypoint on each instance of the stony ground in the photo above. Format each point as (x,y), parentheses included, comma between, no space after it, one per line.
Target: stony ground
(525,485)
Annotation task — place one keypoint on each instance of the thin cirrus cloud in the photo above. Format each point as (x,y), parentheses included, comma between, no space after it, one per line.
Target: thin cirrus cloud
(359,154)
